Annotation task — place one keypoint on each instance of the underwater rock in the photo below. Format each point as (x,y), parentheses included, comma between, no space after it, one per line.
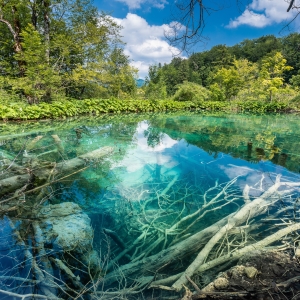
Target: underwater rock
(297,252)
(221,283)
(250,272)
(65,227)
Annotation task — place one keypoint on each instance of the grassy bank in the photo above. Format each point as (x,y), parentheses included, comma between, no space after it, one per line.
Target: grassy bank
(68,108)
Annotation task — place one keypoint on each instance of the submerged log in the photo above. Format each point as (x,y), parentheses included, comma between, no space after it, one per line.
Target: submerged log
(76,163)
(166,257)
(247,212)
(13,183)
(205,240)
(40,175)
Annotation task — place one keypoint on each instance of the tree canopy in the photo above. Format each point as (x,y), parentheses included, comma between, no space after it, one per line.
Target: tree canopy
(256,69)
(55,48)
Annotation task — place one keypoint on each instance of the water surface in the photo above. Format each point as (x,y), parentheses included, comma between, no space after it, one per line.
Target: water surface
(163,167)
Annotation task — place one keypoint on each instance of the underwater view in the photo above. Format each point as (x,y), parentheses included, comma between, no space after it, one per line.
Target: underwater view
(150,206)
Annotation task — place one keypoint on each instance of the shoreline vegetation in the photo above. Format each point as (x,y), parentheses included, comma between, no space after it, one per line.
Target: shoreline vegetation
(56,65)
(68,108)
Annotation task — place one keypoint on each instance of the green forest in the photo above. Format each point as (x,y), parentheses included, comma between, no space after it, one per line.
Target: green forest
(65,58)
(263,69)
(53,50)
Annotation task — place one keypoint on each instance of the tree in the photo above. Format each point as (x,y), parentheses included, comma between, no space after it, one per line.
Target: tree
(290,51)
(40,79)
(122,75)
(61,48)
(189,91)
(10,19)
(254,50)
(155,86)
(272,69)
(229,81)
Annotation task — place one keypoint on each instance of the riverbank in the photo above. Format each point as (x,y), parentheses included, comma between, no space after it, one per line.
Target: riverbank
(71,108)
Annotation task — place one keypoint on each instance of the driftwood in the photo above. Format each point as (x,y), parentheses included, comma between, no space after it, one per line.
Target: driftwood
(8,166)
(204,241)
(67,271)
(167,256)
(13,183)
(30,260)
(248,211)
(40,175)
(58,143)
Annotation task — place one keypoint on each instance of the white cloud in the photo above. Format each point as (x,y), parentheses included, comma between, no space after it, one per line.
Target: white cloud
(261,13)
(145,44)
(136,4)
(142,155)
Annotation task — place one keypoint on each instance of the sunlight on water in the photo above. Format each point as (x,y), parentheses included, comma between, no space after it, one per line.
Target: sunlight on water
(77,225)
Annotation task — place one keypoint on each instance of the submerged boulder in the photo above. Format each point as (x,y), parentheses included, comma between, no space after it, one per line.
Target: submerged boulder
(65,227)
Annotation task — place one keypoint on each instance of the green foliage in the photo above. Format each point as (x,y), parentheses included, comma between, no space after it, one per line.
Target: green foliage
(271,72)
(261,106)
(236,68)
(290,50)
(295,81)
(46,53)
(296,100)
(217,93)
(67,108)
(155,87)
(70,108)
(229,82)
(40,79)
(254,50)
(189,91)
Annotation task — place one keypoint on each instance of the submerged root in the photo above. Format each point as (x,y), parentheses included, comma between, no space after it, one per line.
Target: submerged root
(167,235)
(217,245)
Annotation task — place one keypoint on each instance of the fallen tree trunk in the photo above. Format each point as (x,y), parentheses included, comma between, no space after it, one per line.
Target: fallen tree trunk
(73,164)
(248,249)
(194,243)
(248,211)
(13,183)
(40,175)
(8,166)
(172,254)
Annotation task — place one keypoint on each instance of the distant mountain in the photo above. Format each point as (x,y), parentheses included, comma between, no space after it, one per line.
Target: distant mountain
(140,82)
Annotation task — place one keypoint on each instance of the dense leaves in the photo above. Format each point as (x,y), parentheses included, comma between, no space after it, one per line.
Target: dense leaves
(53,49)
(64,109)
(263,69)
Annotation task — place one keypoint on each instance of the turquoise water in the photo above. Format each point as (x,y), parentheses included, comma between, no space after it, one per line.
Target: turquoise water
(163,168)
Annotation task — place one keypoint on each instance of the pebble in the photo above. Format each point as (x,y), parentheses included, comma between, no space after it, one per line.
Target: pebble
(250,272)
(221,283)
(297,252)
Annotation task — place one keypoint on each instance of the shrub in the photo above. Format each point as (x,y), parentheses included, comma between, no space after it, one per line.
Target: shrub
(190,91)
(217,94)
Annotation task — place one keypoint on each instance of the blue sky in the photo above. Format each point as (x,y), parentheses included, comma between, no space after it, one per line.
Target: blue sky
(144,23)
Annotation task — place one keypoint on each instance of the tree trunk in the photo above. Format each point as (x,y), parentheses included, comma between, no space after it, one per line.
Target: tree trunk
(40,175)
(47,28)
(15,30)
(17,38)
(152,264)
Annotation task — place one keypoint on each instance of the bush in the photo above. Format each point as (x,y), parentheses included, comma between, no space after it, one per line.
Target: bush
(190,91)
(261,106)
(68,108)
(217,94)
